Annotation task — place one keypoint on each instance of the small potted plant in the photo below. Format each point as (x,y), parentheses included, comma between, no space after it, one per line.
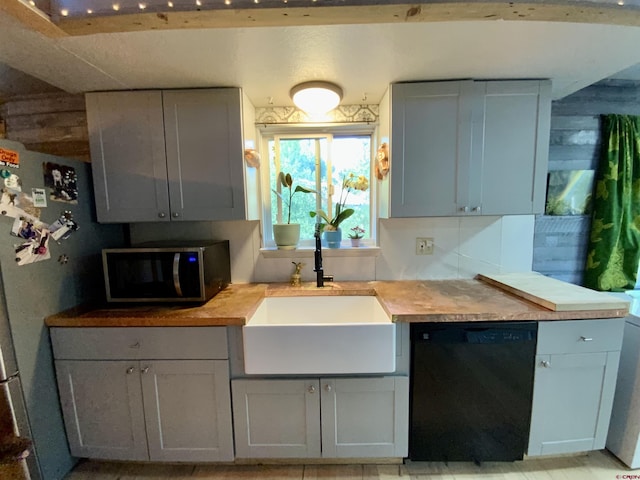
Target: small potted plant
(287,235)
(331,227)
(355,235)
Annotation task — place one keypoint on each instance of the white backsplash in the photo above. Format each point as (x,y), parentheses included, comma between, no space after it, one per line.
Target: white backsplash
(463,247)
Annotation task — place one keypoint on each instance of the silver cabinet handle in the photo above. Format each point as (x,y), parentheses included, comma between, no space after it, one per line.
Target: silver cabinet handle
(135,345)
(545,364)
(586,339)
(311,389)
(464,209)
(176,214)
(145,370)
(162,214)
(476,209)
(130,370)
(327,387)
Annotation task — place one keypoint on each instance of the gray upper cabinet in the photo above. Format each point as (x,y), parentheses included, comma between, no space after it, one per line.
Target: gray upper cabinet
(510,149)
(430,136)
(469,147)
(574,384)
(167,155)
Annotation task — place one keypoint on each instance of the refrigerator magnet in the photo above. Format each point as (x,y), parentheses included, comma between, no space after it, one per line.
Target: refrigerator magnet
(23,228)
(9,158)
(39,196)
(63,182)
(17,204)
(62,228)
(34,250)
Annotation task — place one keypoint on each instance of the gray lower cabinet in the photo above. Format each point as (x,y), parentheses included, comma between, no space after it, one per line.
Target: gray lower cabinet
(469,147)
(167,155)
(326,417)
(574,383)
(145,409)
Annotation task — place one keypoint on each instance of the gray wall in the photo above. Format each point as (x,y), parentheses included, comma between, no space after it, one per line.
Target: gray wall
(560,242)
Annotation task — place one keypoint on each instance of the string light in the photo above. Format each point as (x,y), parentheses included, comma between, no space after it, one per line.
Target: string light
(116,6)
(142,6)
(170,4)
(64,12)
(198,3)
(89,11)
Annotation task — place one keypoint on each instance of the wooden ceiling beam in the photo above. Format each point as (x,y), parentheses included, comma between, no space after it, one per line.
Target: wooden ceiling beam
(31,18)
(561,11)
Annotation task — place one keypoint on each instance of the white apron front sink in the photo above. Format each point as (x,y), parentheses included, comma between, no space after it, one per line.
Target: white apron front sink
(319,335)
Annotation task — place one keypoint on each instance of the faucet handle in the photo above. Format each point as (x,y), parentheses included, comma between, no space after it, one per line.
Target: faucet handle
(317,230)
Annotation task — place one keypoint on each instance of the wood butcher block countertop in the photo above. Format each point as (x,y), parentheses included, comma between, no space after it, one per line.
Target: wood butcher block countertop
(404,301)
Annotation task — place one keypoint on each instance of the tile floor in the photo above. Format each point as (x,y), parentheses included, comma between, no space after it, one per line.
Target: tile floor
(599,465)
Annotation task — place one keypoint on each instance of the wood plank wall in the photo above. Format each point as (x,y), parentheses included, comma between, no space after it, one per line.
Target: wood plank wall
(560,242)
(54,123)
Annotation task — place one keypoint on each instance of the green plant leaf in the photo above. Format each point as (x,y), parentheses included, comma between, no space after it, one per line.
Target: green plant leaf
(344,214)
(282,179)
(288,180)
(322,214)
(303,189)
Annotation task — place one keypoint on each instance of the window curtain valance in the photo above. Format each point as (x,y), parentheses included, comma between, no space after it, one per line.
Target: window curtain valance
(614,243)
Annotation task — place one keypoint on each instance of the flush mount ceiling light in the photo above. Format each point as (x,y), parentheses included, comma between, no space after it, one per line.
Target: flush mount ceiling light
(316,97)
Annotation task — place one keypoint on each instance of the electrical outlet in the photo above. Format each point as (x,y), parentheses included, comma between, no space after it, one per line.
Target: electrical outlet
(424,246)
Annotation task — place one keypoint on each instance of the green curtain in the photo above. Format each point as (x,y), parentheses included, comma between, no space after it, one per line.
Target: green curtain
(614,243)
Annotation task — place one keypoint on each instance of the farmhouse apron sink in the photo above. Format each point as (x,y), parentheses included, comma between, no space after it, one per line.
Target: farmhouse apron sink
(319,335)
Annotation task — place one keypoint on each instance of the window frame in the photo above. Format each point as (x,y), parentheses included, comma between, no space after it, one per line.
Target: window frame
(269,132)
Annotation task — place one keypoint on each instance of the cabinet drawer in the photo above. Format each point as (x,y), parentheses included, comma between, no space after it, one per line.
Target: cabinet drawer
(580,336)
(139,343)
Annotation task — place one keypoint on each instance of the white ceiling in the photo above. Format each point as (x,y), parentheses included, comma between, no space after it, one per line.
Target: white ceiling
(267,61)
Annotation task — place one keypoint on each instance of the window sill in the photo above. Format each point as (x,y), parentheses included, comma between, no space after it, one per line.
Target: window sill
(304,252)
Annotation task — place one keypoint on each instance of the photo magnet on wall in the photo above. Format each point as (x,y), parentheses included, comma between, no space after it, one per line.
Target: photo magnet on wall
(34,250)
(62,228)
(62,181)
(39,196)
(27,228)
(16,204)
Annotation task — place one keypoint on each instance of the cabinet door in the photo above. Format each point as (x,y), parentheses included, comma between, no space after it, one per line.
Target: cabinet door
(365,417)
(188,410)
(572,399)
(431,143)
(126,136)
(203,132)
(510,148)
(276,418)
(102,409)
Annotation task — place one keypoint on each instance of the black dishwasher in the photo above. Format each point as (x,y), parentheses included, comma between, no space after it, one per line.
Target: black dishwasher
(471,390)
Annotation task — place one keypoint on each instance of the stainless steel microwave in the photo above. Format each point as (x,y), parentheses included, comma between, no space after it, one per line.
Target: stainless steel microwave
(166,272)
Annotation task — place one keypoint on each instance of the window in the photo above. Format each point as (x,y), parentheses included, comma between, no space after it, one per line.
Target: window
(319,162)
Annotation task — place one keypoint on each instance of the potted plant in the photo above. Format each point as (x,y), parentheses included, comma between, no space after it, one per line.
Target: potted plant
(287,235)
(356,235)
(331,226)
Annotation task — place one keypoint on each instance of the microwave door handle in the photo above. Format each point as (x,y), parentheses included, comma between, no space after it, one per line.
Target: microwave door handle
(176,274)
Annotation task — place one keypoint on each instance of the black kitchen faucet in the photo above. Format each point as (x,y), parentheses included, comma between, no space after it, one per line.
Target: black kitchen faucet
(320,276)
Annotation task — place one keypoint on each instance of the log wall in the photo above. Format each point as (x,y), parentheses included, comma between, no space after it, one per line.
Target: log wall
(54,123)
